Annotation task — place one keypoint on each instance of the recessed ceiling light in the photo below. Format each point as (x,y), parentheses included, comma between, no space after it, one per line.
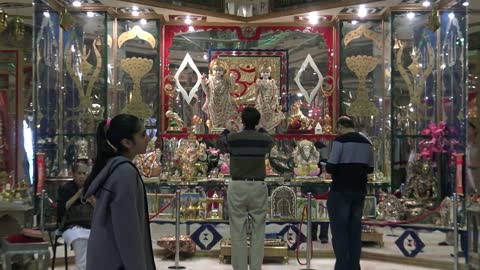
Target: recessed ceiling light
(362,11)
(143,21)
(451,15)
(46,14)
(90,14)
(465,4)
(188,20)
(135,8)
(426,3)
(76,3)
(135,13)
(354,22)
(410,15)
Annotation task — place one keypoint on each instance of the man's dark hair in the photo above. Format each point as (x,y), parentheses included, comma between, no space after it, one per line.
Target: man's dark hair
(250,117)
(345,122)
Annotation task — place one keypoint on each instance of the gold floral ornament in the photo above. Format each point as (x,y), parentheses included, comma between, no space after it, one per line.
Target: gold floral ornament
(80,78)
(136,31)
(363,30)
(137,68)
(416,82)
(362,65)
(187,154)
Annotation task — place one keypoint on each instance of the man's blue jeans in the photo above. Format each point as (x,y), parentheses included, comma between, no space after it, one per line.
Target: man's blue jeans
(345,211)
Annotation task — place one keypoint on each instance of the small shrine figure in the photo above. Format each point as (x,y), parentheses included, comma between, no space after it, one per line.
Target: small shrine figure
(149,163)
(218,105)
(175,123)
(187,155)
(306,158)
(267,99)
(297,119)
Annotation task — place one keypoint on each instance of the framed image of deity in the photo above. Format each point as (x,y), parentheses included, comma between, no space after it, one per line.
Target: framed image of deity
(245,65)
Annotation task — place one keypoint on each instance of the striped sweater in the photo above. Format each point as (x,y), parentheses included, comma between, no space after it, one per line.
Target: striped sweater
(247,153)
(350,162)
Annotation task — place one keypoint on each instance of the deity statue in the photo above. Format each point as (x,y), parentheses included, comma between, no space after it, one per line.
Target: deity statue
(267,99)
(306,158)
(422,185)
(218,105)
(187,154)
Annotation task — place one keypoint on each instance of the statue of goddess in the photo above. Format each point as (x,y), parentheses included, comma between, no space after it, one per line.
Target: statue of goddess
(267,99)
(306,158)
(218,103)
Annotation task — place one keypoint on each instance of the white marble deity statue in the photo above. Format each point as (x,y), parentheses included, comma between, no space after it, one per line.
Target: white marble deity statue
(306,158)
(267,99)
(218,105)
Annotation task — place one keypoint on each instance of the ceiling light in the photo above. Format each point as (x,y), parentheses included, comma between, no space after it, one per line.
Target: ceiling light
(362,11)
(135,13)
(410,15)
(465,4)
(46,14)
(426,3)
(76,3)
(90,14)
(143,21)
(191,29)
(451,15)
(313,19)
(135,8)
(188,20)
(354,22)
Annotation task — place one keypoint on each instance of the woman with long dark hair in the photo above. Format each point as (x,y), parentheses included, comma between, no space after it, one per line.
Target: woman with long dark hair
(120,232)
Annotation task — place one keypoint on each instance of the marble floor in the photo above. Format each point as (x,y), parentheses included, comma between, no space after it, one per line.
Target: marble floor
(372,255)
(319,264)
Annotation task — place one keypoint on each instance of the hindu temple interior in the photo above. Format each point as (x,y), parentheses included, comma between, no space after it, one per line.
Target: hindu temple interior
(405,71)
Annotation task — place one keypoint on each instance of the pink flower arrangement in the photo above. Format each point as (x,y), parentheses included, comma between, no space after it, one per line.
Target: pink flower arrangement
(436,142)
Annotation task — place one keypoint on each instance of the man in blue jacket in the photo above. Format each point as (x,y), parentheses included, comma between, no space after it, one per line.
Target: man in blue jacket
(350,162)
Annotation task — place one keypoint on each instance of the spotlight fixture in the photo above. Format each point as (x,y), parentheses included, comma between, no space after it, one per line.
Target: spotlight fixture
(410,15)
(135,8)
(77,3)
(465,4)
(46,14)
(135,13)
(90,14)
(426,3)
(451,15)
(143,21)
(354,22)
(188,20)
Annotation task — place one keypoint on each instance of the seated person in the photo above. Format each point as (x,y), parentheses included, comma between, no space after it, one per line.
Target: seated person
(74,216)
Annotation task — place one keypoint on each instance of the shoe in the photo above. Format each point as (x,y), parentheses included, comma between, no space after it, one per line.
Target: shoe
(324,241)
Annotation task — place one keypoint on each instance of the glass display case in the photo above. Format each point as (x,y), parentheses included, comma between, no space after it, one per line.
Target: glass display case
(365,82)
(428,92)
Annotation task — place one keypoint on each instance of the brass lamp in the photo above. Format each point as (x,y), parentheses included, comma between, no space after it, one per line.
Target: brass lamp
(398,44)
(3,20)
(18,29)
(66,20)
